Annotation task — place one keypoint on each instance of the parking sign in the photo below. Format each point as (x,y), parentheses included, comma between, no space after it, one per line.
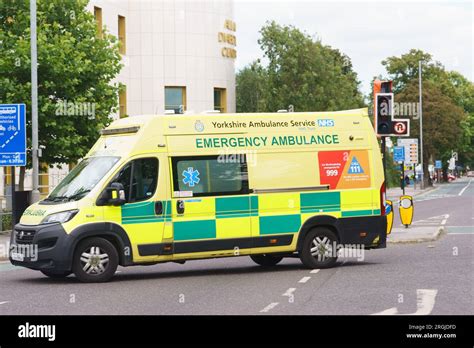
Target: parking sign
(12,135)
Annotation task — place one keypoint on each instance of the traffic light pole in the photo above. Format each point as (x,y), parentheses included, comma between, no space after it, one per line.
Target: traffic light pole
(403,177)
(384,160)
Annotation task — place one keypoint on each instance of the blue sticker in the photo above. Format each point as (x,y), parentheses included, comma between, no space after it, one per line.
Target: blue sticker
(191,177)
(355,167)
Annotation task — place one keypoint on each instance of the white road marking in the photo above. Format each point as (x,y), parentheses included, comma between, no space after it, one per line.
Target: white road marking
(446,217)
(3,302)
(425,301)
(289,292)
(314,271)
(432,221)
(465,187)
(390,311)
(304,279)
(269,307)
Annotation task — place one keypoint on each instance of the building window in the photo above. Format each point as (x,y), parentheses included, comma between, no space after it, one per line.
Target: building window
(220,99)
(210,176)
(175,99)
(43,179)
(123,102)
(98,20)
(121,35)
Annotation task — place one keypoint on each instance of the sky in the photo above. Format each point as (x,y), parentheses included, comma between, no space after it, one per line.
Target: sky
(367,31)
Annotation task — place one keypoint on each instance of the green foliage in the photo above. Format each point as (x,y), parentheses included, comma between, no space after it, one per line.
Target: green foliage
(6,220)
(74,65)
(251,86)
(301,71)
(392,178)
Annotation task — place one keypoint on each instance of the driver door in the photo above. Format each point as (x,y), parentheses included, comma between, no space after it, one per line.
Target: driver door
(143,214)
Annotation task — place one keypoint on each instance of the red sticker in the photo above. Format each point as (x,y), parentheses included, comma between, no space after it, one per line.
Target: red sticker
(331,165)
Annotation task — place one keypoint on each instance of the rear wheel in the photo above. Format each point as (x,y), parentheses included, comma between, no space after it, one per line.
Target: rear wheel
(95,260)
(266,260)
(56,275)
(319,249)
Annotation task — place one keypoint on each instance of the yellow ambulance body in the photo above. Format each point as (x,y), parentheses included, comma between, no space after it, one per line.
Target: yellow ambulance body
(162,188)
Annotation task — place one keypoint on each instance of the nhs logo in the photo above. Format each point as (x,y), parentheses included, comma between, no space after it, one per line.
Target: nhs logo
(326,123)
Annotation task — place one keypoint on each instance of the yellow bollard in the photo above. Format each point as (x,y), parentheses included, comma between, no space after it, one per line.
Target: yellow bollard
(389,215)
(406,210)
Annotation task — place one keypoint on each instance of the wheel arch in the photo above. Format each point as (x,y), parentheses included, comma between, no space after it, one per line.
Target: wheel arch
(112,232)
(327,221)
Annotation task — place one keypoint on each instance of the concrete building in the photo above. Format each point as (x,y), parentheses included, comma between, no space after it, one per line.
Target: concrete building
(177,55)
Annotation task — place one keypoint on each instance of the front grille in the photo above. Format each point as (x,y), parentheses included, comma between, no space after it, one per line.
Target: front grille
(24,236)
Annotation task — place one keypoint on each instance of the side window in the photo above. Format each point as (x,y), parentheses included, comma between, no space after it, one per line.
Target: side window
(210,175)
(139,179)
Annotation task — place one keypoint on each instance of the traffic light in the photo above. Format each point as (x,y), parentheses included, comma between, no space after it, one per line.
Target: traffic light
(385,124)
(383,107)
(383,113)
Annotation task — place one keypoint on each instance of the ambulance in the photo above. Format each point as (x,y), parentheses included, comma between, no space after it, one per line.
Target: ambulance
(173,188)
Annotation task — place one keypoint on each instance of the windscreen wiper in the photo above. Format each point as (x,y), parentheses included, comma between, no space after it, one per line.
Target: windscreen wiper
(74,196)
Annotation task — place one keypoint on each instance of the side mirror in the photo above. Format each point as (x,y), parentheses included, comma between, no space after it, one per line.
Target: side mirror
(116,194)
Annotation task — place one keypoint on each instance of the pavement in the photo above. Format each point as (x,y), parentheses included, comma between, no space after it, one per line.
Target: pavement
(432,277)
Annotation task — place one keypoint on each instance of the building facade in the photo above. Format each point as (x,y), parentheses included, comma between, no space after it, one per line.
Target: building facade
(177,55)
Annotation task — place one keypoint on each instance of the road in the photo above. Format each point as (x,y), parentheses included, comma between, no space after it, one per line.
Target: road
(422,278)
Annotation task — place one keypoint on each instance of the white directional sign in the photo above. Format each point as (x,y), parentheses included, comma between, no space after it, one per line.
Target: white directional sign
(411,150)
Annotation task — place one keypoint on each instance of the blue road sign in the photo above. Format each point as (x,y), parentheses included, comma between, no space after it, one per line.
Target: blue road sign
(12,135)
(399,153)
(438,164)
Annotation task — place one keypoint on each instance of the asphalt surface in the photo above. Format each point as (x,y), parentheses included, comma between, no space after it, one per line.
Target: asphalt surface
(419,278)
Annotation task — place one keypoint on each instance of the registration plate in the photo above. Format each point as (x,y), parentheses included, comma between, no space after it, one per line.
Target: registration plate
(18,256)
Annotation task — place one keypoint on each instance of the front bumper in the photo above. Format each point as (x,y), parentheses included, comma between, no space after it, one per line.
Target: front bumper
(41,247)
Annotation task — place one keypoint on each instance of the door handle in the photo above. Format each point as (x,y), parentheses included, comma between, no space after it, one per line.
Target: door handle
(180,206)
(159,208)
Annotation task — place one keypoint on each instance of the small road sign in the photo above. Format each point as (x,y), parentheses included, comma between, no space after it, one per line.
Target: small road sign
(12,135)
(398,153)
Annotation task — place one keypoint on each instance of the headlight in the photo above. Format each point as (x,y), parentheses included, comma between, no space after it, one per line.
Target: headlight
(61,217)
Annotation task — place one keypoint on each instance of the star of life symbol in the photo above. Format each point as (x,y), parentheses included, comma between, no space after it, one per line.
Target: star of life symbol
(355,167)
(191,177)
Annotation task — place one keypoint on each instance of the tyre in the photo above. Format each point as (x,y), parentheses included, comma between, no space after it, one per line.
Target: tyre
(95,260)
(266,260)
(317,249)
(56,275)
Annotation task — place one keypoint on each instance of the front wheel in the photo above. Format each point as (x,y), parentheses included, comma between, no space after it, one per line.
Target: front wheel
(319,249)
(95,260)
(266,260)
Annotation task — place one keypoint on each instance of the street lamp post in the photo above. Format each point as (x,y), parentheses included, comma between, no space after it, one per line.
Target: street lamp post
(421,124)
(35,195)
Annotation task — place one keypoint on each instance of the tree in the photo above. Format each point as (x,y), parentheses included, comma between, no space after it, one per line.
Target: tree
(75,66)
(301,72)
(251,86)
